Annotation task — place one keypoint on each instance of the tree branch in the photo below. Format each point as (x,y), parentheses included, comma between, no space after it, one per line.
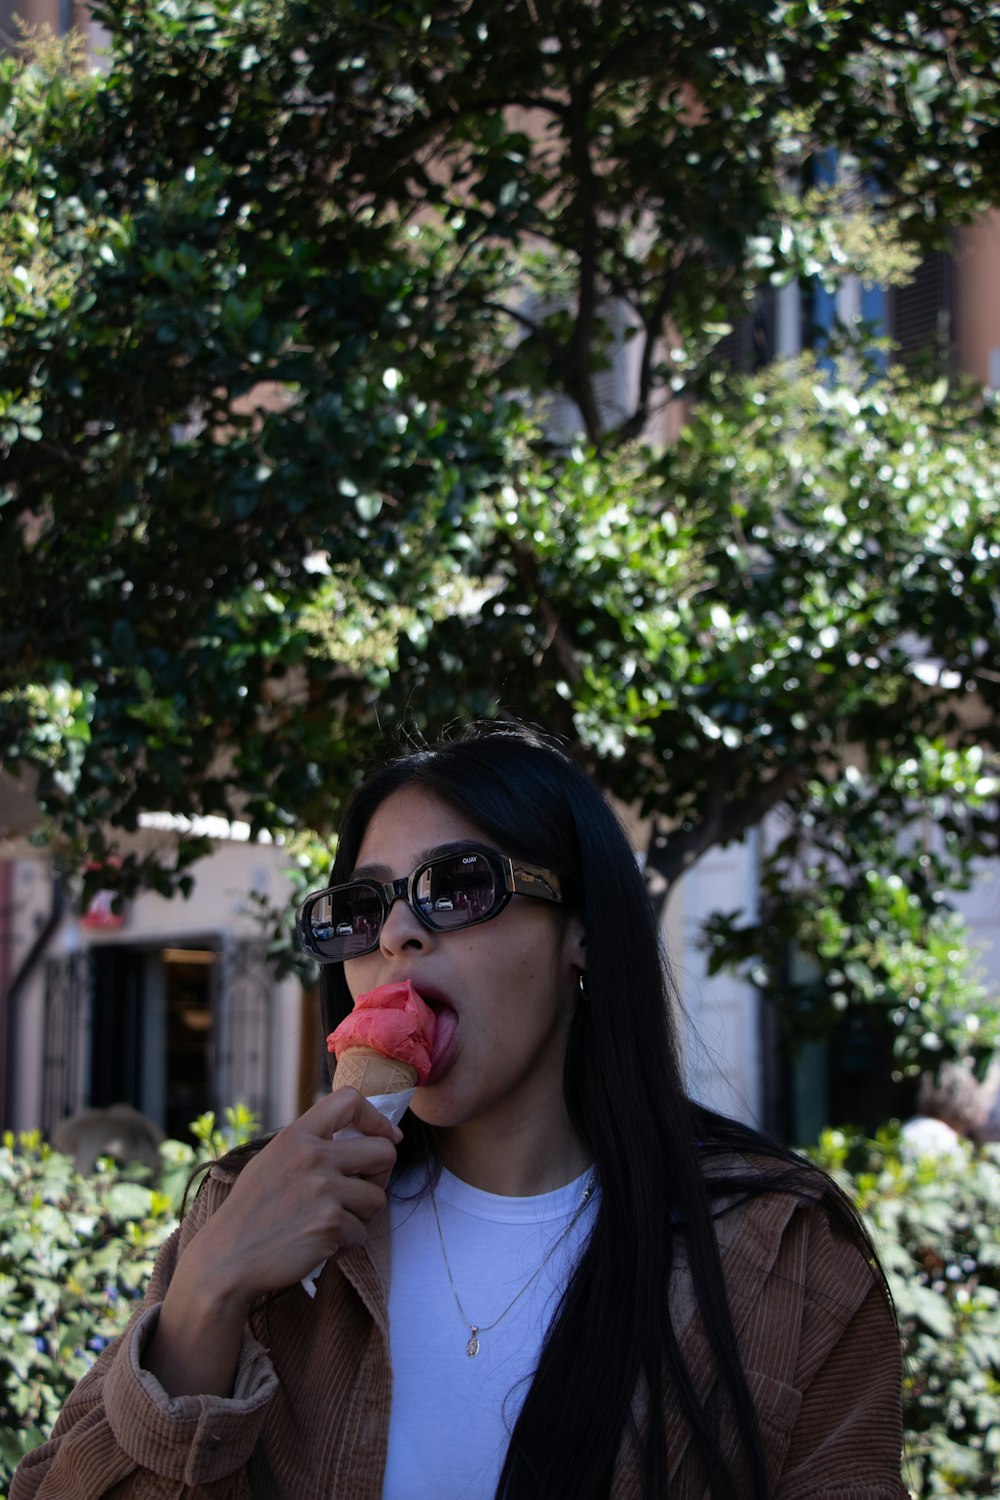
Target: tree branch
(670,852)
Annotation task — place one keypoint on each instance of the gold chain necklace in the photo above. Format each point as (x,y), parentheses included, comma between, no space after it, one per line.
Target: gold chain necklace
(475,1329)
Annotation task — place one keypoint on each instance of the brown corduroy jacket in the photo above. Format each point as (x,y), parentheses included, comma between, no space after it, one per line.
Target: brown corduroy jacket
(309,1416)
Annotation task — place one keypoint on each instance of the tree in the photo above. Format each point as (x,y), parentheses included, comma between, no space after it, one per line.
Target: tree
(287,293)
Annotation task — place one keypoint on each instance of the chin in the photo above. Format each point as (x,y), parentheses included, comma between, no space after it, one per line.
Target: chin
(442,1107)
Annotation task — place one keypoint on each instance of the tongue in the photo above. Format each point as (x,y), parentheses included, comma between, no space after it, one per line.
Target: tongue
(445,1026)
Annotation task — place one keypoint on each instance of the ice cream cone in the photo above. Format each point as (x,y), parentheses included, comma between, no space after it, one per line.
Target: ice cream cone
(369,1072)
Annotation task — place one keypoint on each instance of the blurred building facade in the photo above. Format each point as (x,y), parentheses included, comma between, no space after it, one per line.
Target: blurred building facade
(170,1006)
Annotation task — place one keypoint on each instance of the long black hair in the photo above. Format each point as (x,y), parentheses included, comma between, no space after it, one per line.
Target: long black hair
(662,1161)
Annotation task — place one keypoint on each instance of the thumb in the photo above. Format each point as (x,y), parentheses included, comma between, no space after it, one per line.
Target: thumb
(346,1108)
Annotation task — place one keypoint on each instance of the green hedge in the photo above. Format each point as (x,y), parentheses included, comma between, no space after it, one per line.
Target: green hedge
(936,1224)
(75,1253)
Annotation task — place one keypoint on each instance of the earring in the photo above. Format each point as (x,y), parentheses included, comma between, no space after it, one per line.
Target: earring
(583,985)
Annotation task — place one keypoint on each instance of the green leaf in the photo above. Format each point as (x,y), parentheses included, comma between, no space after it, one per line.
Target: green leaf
(129,1200)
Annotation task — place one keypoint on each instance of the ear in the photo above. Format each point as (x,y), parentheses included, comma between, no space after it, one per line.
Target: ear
(576,943)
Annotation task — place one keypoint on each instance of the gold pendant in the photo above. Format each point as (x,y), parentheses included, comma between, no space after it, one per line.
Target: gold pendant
(472,1347)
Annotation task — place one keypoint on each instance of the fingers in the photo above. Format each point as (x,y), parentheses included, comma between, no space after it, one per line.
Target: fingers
(360,1200)
(307,1158)
(301,1199)
(356,1156)
(346,1107)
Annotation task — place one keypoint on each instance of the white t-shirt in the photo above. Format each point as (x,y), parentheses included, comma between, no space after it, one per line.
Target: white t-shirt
(452,1414)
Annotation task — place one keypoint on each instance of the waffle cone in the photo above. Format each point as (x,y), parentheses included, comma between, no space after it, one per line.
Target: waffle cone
(370,1073)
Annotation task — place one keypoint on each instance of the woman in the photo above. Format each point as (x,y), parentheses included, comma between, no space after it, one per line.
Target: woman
(582,1284)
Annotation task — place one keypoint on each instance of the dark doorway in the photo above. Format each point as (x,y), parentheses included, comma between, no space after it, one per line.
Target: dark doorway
(153,1032)
(117,1028)
(190,1036)
(844,1079)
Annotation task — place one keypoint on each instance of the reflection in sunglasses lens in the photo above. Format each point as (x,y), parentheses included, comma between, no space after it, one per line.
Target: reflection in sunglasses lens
(456,890)
(347,923)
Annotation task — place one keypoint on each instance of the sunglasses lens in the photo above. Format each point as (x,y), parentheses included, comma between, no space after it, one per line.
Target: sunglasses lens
(456,890)
(347,922)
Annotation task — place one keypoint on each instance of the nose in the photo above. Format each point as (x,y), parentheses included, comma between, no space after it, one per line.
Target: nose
(401,928)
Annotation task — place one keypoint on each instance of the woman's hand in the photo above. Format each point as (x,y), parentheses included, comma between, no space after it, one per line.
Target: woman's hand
(301,1199)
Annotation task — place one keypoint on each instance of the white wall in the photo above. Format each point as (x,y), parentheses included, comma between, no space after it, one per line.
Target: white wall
(980,908)
(720,1024)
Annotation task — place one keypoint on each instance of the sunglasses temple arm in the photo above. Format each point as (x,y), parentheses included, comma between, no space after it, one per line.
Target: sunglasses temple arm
(543,884)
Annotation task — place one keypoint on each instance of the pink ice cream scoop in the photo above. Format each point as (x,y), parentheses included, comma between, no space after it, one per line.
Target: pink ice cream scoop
(384,1045)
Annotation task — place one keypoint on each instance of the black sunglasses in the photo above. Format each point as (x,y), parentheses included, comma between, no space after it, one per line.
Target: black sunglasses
(469,885)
